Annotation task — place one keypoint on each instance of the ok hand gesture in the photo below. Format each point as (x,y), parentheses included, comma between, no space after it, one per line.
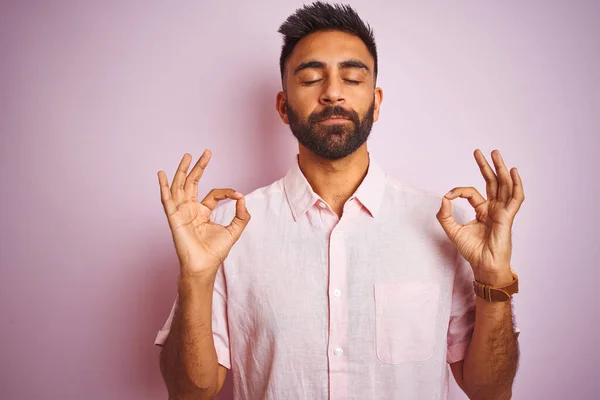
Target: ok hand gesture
(486,241)
(201,245)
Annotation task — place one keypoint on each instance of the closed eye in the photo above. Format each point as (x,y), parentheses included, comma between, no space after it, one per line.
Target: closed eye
(352,82)
(311,82)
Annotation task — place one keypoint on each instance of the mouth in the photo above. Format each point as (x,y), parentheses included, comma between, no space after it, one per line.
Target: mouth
(334,120)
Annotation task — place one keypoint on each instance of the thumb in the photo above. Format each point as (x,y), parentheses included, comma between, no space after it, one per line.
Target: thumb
(446,219)
(240,220)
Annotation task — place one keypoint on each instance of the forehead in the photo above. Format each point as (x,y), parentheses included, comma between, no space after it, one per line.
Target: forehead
(330,47)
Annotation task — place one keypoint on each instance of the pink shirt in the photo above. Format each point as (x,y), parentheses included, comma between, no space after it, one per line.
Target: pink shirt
(372,305)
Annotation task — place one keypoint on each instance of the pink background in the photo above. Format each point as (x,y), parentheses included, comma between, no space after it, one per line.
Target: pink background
(96,99)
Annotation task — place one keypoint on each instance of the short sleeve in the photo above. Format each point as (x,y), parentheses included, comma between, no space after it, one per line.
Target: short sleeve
(161,336)
(462,312)
(219,320)
(219,315)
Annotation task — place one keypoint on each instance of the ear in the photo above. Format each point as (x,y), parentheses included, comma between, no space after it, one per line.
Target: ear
(378,100)
(280,106)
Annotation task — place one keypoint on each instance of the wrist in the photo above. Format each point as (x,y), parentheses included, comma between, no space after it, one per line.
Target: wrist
(201,279)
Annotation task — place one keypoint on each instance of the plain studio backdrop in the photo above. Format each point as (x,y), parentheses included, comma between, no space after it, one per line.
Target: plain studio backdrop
(95,99)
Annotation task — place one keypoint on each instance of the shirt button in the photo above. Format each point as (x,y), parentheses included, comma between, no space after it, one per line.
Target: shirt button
(338,352)
(322,205)
(337,292)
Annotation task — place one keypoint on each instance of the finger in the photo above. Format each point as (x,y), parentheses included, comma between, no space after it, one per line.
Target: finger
(447,220)
(165,194)
(505,183)
(191,182)
(470,193)
(214,196)
(488,174)
(241,219)
(518,196)
(177,192)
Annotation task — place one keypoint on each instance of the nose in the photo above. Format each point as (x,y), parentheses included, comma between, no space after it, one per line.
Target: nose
(332,92)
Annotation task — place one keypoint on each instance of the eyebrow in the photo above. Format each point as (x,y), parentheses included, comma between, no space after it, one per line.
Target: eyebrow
(341,65)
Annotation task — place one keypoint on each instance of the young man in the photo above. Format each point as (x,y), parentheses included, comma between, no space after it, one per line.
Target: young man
(346,284)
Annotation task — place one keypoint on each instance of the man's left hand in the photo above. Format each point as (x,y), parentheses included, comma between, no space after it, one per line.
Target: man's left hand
(485,242)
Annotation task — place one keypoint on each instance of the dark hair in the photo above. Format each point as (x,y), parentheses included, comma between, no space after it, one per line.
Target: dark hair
(320,16)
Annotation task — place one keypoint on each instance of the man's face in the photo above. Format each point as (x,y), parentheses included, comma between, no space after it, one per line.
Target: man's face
(329,99)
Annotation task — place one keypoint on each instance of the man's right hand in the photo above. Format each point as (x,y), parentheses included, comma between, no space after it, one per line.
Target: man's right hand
(201,245)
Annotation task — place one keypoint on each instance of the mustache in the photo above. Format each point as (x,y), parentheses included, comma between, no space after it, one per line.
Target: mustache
(334,111)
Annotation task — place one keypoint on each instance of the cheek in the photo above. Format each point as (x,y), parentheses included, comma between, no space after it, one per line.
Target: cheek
(300,99)
(368,101)
(301,107)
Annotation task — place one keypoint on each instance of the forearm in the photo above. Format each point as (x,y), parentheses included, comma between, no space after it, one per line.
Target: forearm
(188,360)
(491,361)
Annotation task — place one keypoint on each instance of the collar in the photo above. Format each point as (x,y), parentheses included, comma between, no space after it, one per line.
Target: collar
(301,197)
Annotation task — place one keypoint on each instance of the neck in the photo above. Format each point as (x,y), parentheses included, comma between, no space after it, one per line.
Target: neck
(335,181)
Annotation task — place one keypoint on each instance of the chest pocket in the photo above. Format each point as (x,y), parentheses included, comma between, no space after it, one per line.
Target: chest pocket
(405,320)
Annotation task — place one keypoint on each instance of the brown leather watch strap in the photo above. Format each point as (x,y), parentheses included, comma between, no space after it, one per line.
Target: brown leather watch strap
(494,294)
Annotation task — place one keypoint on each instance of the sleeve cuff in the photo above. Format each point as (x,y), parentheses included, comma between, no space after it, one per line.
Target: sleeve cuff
(457,351)
(161,337)
(223,356)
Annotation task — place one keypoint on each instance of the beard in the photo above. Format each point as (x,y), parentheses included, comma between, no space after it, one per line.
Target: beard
(335,141)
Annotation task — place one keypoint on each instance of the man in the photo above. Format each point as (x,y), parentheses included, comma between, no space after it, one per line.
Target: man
(346,284)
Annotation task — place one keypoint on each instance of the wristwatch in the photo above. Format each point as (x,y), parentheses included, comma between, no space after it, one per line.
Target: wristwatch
(494,294)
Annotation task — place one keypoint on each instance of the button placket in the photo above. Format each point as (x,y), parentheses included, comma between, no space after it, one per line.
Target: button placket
(338,314)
